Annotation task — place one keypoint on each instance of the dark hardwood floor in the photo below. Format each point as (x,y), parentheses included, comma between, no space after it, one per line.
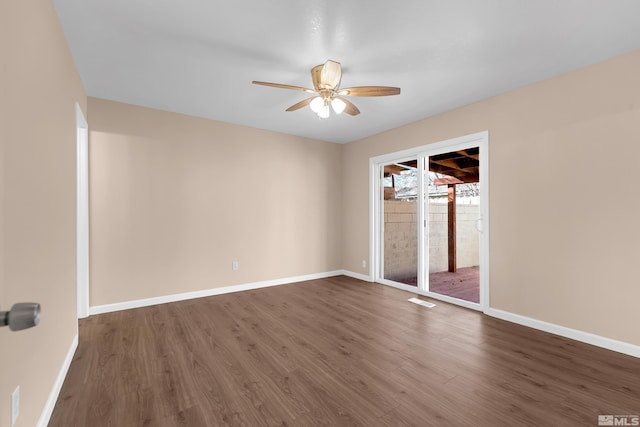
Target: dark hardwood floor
(339,352)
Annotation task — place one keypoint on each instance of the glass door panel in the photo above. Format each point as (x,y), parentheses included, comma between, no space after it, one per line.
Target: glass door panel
(452,212)
(399,222)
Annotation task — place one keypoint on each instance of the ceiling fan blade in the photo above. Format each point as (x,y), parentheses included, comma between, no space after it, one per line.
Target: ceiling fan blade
(369,91)
(301,104)
(330,75)
(350,109)
(281,86)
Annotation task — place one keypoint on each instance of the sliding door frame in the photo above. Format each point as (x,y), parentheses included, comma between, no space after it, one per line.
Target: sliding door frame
(376,262)
(379,255)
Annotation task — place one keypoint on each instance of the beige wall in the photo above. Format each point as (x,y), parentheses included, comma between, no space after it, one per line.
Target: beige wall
(568,142)
(38,89)
(176,199)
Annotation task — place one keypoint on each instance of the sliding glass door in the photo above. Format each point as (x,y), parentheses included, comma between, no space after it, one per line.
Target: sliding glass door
(429,213)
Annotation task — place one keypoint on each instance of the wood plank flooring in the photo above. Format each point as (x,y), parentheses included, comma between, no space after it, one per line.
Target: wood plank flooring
(338,352)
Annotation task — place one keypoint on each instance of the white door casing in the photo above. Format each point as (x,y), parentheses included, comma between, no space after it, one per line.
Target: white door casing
(82,213)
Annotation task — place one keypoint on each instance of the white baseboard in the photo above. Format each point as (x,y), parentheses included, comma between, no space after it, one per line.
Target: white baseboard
(586,337)
(107,308)
(359,276)
(57,386)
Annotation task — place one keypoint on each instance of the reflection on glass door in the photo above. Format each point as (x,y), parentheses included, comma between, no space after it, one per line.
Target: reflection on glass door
(453,216)
(399,222)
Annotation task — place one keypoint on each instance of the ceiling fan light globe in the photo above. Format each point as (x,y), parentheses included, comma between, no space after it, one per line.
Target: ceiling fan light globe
(338,105)
(317,104)
(324,112)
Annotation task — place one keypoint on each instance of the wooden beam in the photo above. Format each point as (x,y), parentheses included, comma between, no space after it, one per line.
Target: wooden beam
(464,176)
(451,214)
(462,164)
(389,193)
(474,153)
(458,163)
(447,180)
(398,168)
(391,170)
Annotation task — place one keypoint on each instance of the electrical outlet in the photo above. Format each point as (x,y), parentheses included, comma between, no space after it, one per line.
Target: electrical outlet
(235,265)
(15,405)
(364,263)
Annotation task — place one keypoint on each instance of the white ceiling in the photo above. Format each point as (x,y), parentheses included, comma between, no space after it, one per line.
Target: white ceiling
(198,57)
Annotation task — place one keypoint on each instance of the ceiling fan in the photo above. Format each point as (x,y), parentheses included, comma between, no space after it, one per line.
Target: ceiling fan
(326,89)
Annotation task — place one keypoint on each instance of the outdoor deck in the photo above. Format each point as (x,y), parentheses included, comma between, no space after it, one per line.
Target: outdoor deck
(463,284)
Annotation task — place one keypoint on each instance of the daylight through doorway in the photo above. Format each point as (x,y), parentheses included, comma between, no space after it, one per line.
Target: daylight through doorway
(452,183)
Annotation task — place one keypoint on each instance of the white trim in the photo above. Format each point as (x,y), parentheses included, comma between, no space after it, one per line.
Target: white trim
(421,227)
(585,337)
(358,276)
(374,202)
(81,122)
(107,308)
(485,300)
(57,386)
(82,214)
(454,301)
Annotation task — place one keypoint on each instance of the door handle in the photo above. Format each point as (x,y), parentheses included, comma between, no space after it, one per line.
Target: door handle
(22,315)
(478,225)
